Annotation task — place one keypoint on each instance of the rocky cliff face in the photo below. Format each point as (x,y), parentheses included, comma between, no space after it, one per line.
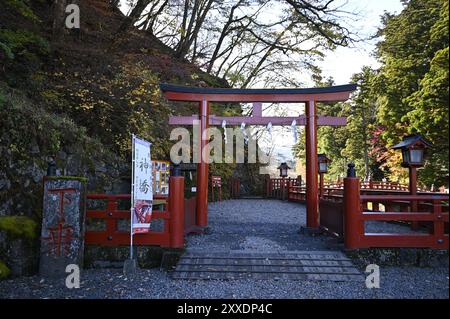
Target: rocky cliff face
(79,99)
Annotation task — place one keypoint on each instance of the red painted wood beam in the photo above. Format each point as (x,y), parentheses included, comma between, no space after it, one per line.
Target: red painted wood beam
(277,98)
(416,216)
(312,198)
(257,109)
(196,94)
(402,240)
(259,120)
(385,198)
(202,168)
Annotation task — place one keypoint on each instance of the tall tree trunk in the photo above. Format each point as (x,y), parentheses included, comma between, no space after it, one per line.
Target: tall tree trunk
(114,3)
(134,16)
(366,149)
(195,23)
(59,9)
(223,34)
(257,68)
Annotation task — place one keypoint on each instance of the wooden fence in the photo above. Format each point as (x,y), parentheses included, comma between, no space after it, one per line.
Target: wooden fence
(345,211)
(432,212)
(168,217)
(278,188)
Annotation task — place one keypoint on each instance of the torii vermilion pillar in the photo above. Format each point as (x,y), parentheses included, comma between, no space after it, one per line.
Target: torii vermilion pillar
(310,96)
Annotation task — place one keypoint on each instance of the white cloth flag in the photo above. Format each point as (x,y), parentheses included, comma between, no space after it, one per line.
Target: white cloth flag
(142,187)
(294,130)
(224,126)
(244,133)
(269,129)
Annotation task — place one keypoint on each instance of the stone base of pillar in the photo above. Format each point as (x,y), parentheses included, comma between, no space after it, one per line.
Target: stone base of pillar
(311,231)
(206,230)
(63,220)
(130,267)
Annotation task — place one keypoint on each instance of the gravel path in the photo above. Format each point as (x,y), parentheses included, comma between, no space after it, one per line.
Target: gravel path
(256,225)
(262,225)
(395,282)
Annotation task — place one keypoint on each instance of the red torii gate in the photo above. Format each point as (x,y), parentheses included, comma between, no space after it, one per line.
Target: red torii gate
(308,96)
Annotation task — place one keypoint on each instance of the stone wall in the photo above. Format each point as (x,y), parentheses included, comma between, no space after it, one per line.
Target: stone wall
(419,257)
(147,256)
(21,255)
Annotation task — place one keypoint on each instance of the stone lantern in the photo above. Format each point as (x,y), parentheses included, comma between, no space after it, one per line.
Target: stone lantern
(413,147)
(323,162)
(283,169)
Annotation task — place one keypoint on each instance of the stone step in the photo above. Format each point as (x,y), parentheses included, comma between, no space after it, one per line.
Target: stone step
(268,269)
(242,264)
(264,261)
(264,276)
(280,255)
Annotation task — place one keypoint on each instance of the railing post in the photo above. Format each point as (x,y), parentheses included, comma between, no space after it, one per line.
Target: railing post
(176,211)
(111,223)
(353,225)
(283,189)
(289,188)
(438,225)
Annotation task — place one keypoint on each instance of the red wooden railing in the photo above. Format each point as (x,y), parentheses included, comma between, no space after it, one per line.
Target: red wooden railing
(297,193)
(216,183)
(235,187)
(190,215)
(373,185)
(112,236)
(171,214)
(279,187)
(433,211)
(387,202)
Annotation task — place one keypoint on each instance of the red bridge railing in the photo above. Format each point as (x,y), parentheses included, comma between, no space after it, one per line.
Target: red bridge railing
(170,215)
(346,208)
(279,187)
(373,185)
(432,211)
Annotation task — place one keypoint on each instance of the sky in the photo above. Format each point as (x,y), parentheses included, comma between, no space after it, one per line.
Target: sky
(342,63)
(339,64)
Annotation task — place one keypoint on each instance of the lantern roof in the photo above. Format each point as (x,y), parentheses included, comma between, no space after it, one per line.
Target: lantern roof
(323,158)
(411,140)
(284,165)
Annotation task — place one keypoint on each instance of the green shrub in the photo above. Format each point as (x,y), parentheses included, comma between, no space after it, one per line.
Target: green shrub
(19,226)
(20,40)
(7,51)
(4,270)
(2,100)
(23,9)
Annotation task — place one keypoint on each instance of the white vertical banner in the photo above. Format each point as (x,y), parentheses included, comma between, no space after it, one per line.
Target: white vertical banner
(294,130)
(142,187)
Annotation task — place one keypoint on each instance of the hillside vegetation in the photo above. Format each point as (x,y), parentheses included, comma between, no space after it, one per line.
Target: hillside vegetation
(78,99)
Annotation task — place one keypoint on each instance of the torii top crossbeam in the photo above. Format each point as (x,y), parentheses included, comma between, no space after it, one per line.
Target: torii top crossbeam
(322,94)
(309,96)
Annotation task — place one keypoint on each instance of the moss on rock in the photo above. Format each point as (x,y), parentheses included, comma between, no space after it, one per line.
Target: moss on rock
(4,270)
(19,226)
(68,178)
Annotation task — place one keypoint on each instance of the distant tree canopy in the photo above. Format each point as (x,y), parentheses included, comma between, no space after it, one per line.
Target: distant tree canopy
(245,41)
(411,87)
(409,93)
(269,43)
